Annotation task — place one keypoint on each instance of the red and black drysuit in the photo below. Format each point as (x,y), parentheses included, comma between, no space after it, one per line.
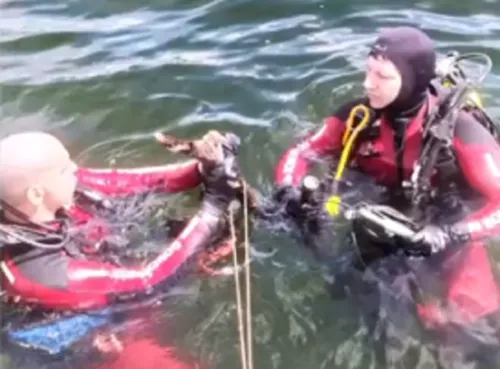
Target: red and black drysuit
(56,279)
(471,291)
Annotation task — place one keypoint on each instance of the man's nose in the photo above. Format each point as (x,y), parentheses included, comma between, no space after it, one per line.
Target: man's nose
(368,83)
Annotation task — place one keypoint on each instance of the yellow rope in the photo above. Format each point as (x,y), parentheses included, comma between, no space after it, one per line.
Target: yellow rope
(332,205)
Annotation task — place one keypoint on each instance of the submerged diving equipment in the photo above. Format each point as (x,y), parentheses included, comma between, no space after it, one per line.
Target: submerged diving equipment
(383,221)
(380,229)
(55,337)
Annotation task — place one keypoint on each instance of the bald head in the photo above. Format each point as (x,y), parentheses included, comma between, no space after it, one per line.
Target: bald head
(31,160)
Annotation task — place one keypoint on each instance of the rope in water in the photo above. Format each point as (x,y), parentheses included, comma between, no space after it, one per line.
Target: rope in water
(247,275)
(239,306)
(246,346)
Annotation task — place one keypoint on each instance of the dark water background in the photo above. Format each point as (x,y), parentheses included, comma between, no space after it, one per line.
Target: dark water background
(104,75)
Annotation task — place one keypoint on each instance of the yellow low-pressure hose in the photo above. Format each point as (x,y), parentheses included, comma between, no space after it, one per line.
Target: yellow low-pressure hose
(332,205)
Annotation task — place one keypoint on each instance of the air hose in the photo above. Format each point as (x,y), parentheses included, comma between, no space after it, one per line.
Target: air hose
(333,203)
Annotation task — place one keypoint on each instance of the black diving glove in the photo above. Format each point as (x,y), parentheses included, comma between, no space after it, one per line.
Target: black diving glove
(433,239)
(301,201)
(289,199)
(222,180)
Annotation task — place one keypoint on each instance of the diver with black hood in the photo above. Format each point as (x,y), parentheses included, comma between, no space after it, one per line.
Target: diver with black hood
(401,95)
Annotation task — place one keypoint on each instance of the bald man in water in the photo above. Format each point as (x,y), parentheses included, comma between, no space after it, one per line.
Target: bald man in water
(37,176)
(38,180)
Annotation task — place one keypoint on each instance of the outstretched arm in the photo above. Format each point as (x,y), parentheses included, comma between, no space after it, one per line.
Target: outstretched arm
(167,178)
(105,280)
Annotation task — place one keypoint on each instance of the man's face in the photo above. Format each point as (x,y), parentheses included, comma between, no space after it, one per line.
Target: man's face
(61,190)
(382,82)
(55,187)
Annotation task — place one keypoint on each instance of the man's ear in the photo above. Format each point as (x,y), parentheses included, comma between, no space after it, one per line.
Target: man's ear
(35,195)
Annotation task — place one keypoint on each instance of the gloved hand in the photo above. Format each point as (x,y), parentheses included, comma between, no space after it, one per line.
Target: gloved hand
(221,174)
(432,239)
(209,149)
(288,198)
(301,201)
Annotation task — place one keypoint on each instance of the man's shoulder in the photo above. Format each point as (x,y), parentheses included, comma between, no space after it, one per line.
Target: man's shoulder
(469,129)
